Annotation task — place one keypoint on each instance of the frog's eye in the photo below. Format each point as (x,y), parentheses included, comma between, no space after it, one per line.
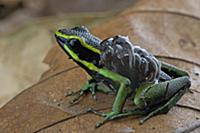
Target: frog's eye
(74,43)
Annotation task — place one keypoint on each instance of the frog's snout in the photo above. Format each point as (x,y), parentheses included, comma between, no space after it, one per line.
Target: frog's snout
(61,40)
(63,31)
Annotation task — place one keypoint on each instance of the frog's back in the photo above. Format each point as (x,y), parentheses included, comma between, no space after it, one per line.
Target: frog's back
(121,56)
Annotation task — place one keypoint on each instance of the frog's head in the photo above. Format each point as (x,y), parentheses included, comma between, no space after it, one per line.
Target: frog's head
(79,44)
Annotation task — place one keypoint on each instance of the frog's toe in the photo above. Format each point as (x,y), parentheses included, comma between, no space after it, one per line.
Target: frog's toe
(98,124)
(141,121)
(92,88)
(75,99)
(91,110)
(93,91)
(107,117)
(88,88)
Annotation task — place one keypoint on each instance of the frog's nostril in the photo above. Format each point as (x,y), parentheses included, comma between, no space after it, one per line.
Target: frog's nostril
(64,31)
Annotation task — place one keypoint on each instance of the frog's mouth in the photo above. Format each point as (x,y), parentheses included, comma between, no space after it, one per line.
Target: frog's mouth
(77,48)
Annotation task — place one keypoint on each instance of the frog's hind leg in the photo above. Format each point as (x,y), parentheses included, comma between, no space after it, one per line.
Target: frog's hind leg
(154,99)
(164,108)
(160,98)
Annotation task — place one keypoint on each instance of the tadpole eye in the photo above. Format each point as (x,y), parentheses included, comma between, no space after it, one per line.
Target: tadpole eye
(74,43)
(149,77)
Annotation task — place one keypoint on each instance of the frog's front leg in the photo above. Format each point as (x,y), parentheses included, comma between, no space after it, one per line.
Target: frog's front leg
(120,99)
(90,86)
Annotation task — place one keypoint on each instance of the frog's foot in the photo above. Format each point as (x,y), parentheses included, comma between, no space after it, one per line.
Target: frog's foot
(91,110)
(115,115)
(91,87)
(107,116)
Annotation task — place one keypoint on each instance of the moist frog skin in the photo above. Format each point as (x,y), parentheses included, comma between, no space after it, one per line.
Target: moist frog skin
(126,70)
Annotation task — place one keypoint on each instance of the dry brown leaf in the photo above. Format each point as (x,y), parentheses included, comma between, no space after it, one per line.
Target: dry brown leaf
(173,36)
